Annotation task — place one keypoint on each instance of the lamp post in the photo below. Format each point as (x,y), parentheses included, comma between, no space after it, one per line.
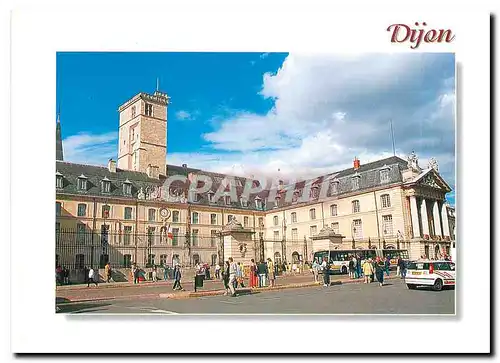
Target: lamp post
(353,232)
(283,241)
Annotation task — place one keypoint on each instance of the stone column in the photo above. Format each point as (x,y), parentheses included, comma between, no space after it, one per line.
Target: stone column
(444,218)
(437,219)
(414,217)
(423,214)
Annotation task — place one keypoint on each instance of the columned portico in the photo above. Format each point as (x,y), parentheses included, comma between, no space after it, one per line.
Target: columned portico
(424,216)
(414,217)
(437,219)
(444,218)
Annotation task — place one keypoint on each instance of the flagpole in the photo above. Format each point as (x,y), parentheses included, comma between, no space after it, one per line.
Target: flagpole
(392,137)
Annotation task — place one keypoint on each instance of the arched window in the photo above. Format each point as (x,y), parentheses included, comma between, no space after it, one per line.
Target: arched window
(295,257)
(333,210)
(196,258)
(385,200)
(355,206)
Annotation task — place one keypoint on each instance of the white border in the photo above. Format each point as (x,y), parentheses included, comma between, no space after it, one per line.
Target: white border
(37,33)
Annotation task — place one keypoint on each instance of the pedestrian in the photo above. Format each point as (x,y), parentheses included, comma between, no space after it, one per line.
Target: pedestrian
(374,267)
(165,272)
(359,266)
(225,277)
(233,272)
(403,269)
(351,267)
(107,272)
(387,265)
(315,270)
(59,275)
(155,274)
(270,272)
(135,273)
(355,265)
(240,275)
(262,271)
(91,278)
(367,270)
(254,276)
(325,267)
(177,278)
(217,271)
(398,266)
(379,271)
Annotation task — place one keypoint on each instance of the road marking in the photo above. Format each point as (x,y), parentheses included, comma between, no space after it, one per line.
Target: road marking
(164,312)
(230,302)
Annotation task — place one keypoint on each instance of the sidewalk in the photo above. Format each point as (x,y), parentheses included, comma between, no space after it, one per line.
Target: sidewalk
(150,290)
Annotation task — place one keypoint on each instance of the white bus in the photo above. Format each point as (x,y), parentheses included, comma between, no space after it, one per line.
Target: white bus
(339,259)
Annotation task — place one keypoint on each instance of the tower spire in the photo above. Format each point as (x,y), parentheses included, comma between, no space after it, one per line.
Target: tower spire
(59,147)
(157,83)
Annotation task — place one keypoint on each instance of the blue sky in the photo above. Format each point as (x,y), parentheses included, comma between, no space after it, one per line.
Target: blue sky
(257,113)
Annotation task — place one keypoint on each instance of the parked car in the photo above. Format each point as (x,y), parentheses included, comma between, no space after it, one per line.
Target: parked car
(430,273)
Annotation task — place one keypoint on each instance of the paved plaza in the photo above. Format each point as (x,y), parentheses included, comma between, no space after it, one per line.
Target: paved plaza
(353,298)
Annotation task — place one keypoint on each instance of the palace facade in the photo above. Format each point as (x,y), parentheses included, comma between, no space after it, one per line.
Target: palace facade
(126,212)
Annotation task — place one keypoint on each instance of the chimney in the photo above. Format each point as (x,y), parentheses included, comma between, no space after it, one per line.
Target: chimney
(112,166)
(356,163)
(153,171)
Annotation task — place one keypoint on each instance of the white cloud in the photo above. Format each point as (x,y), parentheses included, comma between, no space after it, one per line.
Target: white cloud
(90,148)
(328,109)
(184,115)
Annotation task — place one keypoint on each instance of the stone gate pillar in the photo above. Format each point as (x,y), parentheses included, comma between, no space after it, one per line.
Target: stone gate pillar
(238,243)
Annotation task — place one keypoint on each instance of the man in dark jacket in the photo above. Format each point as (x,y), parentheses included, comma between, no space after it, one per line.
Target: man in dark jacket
(177,278)
(262,272)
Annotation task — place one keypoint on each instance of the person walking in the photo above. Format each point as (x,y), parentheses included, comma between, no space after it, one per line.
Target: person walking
(262,271)
(367,270)
(217,271)
(233,274)
(315,270)
(270,272)
(253,274)
(240,275)
(135,273)
(91,278)
(225,277)
(398,266)
(165,272)
(351,267)
(402,269)
(155,274)
(355,265)
(379,271)
(177,278)
(107,272)
(359,266)
(387,265)
(325,267)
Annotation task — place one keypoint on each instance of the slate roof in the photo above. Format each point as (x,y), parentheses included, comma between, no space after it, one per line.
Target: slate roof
(368,174)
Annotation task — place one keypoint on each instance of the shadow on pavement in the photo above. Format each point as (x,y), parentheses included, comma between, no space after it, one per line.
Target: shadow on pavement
(80,308)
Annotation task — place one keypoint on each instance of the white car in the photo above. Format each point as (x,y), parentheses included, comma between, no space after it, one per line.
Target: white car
(430,273)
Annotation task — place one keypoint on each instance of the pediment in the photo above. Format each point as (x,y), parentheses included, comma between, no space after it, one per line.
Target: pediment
(433,180)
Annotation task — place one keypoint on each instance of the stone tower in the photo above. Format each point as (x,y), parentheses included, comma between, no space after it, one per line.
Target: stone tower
(142,142)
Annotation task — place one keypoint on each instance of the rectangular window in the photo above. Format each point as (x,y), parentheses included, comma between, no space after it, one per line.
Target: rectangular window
(261,222)
(175,235)
(82,184)
(127,213)
(334,187)
(106,186)
(195,238)
(59,181)
(357,228)
(175,216)
(227,199)
(149,109)
(80,233)
(133,111)
(275,220)
(355,183)
(333,210)
(151,260)
(335,227)
(245,221)
(105,211)
(151,215)
(276,235)
(313,230)
(127,232)
(127,261)
(295,234)
(355,206)
(163,260)
(385,201)
(387,225)
(82,210)
(312,214)
(294,217)
(58,209)
(384,176)
(127,189)
(213,238)
(195,218)
(213,218)
(151,236)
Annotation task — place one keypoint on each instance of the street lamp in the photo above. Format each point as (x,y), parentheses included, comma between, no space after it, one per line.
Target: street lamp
(283,241)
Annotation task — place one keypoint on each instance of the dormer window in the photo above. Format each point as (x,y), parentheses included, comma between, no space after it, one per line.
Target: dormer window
(105,185)
(384,175)
(335,186)
(258,203)
(227,199)
(277,201)
(314,191)
(355,182)
(295,197)
(59,180)
(211,196)
(127,187)
(244,202)
(82,182)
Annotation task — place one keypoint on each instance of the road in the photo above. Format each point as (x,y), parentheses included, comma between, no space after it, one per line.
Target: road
(394,298)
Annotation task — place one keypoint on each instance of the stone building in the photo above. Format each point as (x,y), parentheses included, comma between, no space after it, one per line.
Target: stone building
(125,212)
